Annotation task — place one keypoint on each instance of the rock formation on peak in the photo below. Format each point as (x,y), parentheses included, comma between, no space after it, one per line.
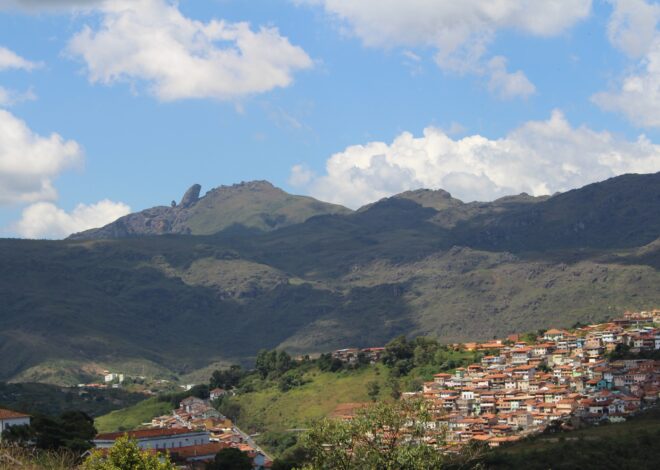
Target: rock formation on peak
(249,204)
(190,197)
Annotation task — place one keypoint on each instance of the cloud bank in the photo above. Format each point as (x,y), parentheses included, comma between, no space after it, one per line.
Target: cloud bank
(179,58)
(459,32)
(540,157)
(46,220)
(633,29)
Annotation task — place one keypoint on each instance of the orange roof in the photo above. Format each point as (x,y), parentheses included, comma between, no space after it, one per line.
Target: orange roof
(9,414)
(199,450)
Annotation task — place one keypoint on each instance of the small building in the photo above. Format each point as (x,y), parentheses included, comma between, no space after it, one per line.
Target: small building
(9,418)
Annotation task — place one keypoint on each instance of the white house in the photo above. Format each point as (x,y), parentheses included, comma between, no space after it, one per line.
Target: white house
(10,418)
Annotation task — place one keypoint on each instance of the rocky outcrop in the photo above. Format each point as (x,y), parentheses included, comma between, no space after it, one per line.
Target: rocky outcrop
(190,197)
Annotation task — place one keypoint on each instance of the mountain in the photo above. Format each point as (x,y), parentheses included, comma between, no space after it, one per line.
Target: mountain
(421,262)
(254,205)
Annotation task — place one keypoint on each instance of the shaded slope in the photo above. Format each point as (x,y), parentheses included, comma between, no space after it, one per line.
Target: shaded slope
(417,263)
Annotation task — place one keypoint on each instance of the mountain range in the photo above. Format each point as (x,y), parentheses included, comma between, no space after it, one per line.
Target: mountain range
(211,280)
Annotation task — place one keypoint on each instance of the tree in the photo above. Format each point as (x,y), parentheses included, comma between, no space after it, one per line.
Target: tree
(72,430)
(383,436)
(126,455)
(373,390)
(227,378)
(230,408)
(230,459)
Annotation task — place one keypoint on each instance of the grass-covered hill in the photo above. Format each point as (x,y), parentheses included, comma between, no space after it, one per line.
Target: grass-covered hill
(634,444)
(418,263)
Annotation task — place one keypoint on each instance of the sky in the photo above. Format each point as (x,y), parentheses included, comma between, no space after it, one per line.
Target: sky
(113,106)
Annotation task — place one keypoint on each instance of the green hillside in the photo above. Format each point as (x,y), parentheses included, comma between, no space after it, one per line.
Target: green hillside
(132,417)
(418,263)
(633,444)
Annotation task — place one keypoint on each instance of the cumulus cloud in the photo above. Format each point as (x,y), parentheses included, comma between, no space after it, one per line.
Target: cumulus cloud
(11,60)
(152,41)
(29,162)
(46,220)
(540,157)
(458,31)
(632,28)
(508,85)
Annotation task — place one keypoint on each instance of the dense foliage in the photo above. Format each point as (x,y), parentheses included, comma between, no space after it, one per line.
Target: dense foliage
(73,430)
(381,437)
(230,459)
(126,455)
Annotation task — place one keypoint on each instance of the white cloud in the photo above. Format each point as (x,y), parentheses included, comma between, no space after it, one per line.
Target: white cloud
(46,220)
(508,85)
(29,162)
(459,31)
(46,5)
(300,176)
(11,60)
(540,157)
(632,24)
(10,97)
(632,28)
(152,41)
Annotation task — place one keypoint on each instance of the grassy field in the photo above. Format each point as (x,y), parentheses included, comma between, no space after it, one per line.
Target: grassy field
(132,417)
(274,410)
(633,444)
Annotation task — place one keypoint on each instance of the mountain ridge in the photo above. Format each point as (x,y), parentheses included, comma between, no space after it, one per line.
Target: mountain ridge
(465,272)
(253,204)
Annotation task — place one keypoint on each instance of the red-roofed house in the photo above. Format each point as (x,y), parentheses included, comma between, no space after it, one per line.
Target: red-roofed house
(10,418)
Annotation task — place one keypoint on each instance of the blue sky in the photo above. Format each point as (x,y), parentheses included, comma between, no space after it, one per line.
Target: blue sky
(348,101)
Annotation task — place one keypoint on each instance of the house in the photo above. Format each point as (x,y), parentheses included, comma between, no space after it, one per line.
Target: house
(217,393)
(554,335)
(9,418)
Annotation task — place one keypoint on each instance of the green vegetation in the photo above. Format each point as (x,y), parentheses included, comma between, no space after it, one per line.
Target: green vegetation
(134,416)
(72,431)
(124,455)
(230,459)
(420,263)
(52,401)
(633,444)
(380,437)
(271,409)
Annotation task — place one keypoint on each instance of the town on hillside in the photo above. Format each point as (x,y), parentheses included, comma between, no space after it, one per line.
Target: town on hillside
(562,378)
(522,385)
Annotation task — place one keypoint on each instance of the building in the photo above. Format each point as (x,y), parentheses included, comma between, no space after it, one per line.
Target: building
(9,418)
(165,439)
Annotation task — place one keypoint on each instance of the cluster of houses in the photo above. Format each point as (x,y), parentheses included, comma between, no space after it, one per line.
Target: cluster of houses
(563,378)
(354,355)
(192,435)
